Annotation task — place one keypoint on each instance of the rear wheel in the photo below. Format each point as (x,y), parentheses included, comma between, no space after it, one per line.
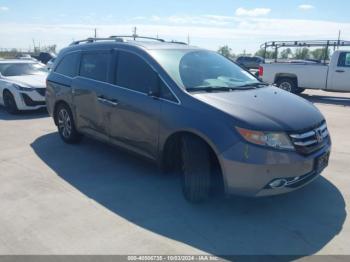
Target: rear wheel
(289,85)
(66,126)
(10,102)
(196,167)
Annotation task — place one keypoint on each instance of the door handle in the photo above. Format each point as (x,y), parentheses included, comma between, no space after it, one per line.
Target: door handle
(110,102)
(340,71)
(101,99)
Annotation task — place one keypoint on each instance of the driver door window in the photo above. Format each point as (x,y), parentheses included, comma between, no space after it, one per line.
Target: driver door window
(135,74)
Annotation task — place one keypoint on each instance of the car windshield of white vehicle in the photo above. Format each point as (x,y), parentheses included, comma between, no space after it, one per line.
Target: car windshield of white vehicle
(21,69)
(205,71)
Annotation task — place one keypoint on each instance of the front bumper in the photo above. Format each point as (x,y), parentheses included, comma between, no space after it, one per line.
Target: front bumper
(248,170)
(30,100)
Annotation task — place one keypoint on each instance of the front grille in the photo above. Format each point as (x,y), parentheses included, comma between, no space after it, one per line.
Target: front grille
(311,140)
(41,91)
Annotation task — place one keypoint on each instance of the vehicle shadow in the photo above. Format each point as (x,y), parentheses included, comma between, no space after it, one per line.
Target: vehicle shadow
(24,115)
(330,100)
(297,224)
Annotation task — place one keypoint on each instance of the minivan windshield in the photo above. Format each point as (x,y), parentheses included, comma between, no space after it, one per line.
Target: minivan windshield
(21,69)
(201,70)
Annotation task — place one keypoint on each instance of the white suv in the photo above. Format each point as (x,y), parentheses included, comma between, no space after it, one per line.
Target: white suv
(22,85)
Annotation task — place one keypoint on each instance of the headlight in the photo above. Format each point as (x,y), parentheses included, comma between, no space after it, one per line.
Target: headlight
(275,140)
(23,88)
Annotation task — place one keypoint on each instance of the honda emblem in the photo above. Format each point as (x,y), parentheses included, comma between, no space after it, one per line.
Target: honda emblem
(319,136)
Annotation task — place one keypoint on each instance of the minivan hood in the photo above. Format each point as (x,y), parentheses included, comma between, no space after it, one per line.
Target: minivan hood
(34,81)
(265,109)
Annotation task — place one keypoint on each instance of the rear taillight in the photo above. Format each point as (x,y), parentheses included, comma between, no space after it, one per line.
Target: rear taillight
(261,71)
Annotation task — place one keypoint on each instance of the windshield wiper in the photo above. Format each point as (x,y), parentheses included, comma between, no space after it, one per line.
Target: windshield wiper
(209,89)
(225,88)
(255,85)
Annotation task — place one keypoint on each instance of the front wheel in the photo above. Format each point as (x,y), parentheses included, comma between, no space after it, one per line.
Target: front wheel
(66,126)
(289,85)
(10,103)
(196,167)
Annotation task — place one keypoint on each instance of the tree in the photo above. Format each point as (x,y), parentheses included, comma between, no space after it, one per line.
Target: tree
(320,53)
(286,53)
(302,53)
(226,52)
(268,55)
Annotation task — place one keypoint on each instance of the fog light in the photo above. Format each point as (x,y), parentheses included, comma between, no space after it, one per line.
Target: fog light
(278,183)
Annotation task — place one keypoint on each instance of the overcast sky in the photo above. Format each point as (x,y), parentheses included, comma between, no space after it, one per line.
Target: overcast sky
(243,25)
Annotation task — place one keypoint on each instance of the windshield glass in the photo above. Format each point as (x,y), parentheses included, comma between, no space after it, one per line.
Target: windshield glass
(199,69)
(21,69)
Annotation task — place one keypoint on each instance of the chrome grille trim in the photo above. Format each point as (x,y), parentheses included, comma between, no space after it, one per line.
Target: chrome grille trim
(302,136)
(309,141)
(323,128)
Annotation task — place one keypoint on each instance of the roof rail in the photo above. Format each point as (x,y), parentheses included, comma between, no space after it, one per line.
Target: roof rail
(137,36)
(117,38)
(177,42)
(92,40)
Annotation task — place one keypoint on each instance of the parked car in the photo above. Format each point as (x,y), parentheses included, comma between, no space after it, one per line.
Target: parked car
(190,110)
(22,85)
(45,57)
(25,57)
(250,62)
(298,76)
(50,64)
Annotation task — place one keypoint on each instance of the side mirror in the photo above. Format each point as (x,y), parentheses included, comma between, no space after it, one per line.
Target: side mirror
(1,76)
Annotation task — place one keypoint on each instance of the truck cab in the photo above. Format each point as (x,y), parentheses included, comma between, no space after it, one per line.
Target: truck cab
(339,72)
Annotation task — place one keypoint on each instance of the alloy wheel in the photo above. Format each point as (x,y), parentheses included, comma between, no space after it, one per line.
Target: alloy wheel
(64,123)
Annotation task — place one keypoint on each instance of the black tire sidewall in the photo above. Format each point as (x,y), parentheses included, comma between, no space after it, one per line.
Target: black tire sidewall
(196,169)
(294,87)
(10,103)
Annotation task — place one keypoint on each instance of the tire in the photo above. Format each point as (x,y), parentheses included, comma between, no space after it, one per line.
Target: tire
(66,125)
(289,85)
(196,167)
(10,102)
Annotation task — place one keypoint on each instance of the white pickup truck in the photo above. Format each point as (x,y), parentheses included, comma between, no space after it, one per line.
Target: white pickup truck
(295,77)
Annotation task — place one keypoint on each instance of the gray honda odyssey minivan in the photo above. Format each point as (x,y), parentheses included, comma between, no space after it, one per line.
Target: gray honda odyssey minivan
(191,111)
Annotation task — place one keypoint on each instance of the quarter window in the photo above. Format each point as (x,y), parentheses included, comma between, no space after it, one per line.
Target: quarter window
(68,65)
(95,66)
(135,74)
(165,93)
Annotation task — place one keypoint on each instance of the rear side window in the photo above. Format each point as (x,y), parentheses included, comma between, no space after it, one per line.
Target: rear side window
(95,66)
(344,59)
(134,73)
(68,65)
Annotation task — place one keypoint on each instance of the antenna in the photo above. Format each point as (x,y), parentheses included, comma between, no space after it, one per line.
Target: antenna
(134,33)
(95,32)
(34,45)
